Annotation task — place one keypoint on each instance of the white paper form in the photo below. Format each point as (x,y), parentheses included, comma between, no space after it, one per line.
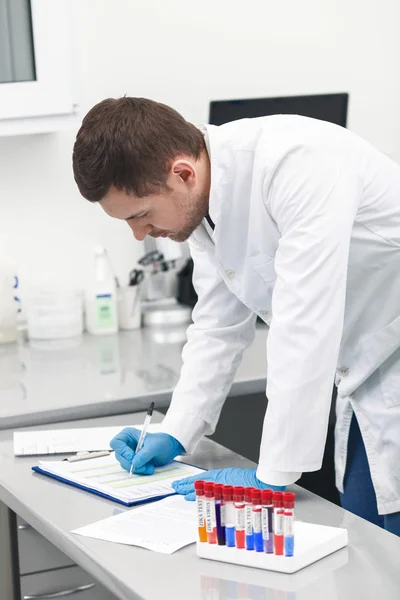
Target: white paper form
(63,441)
(163,526)
(106,475)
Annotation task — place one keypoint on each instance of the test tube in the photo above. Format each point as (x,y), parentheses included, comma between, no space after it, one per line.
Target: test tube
(238,498)
(278,522)
(248,517)
(288,522)
(209,501)
(199,489)
(267,520)
(219,513)
(227,494)
(256,514)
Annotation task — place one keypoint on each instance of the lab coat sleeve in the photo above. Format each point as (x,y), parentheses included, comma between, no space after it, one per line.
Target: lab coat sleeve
(313,198)
(222,329)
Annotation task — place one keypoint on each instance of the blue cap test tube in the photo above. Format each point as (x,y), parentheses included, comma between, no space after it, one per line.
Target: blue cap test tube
(257,526)
(248,515)
(227,495)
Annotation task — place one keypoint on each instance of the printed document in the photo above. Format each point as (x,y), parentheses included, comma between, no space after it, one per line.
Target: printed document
(164,526)
(63,441)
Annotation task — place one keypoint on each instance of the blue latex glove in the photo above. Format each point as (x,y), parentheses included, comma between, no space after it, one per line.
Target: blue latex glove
(233,476)
(158,449)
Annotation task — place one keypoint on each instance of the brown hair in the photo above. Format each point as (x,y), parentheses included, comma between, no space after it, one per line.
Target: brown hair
(129,143)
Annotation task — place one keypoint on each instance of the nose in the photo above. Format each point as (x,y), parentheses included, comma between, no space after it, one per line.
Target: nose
(139,231)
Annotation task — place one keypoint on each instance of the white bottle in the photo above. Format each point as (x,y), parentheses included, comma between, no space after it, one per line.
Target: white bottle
(101,297)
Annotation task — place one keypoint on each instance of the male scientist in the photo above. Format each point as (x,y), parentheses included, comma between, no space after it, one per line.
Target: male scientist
(292,219)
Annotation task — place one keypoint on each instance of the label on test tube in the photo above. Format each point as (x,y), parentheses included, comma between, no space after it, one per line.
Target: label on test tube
(200,512)
(201,524)
(211,526)
(238,497)
(229,515)
(288,529)
(278,522)
(257,527)
(288,522)
(248,512)
(267,513)
(220,515)
(265,527)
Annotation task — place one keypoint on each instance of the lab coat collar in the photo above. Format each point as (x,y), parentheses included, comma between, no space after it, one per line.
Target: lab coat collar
(219,180)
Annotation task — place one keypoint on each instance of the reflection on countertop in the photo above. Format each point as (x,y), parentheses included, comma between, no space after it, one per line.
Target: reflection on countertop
(93,376)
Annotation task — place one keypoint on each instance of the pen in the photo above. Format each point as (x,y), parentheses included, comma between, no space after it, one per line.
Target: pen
(144,431)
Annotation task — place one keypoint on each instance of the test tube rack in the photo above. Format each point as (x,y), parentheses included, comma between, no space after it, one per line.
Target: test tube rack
(312,542)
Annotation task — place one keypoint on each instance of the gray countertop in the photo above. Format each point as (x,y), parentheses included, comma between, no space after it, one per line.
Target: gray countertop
(98,376)
(367,569)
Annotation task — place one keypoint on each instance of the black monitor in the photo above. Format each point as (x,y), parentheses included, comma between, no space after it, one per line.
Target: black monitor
(326,107)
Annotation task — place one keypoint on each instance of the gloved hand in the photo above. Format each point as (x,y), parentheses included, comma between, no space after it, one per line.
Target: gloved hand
(233,476)
(158,449)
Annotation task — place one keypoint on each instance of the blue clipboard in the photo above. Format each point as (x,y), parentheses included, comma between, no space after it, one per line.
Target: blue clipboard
(101,494)
(92,491)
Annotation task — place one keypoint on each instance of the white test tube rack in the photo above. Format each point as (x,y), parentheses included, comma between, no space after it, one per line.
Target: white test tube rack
(311,543)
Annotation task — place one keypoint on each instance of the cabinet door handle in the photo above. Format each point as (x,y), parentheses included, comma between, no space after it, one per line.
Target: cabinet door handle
(24,526)
(63,594)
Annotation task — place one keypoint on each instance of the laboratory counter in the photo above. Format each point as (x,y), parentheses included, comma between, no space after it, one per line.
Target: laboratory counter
(368,569)
(46,382)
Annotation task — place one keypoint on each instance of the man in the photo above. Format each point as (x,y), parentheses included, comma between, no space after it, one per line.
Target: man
(292,219)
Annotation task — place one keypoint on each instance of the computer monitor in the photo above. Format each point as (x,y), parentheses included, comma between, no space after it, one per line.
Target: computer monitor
(327,107)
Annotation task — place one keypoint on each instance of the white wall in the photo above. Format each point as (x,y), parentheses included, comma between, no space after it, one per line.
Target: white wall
(185,54)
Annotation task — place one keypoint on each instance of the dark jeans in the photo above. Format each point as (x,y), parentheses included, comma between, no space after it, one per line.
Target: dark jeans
(359,494)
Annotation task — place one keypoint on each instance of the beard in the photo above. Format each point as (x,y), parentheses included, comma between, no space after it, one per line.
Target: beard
(194,211)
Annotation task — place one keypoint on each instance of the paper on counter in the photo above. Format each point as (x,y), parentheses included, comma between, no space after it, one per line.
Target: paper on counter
(64,441)
(164,526)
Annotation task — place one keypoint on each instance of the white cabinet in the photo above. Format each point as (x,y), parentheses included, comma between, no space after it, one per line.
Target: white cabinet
(37,84)
(72,583)
(36,553)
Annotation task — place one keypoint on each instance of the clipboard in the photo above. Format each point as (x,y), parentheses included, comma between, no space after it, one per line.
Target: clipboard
(104,477)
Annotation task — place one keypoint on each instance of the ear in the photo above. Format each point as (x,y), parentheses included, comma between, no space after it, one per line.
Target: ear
(184,170)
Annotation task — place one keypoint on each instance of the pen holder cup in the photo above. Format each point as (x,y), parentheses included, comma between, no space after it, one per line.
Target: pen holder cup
(129,308)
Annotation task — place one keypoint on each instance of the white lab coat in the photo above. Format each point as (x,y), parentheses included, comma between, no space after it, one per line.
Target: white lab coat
(307,229)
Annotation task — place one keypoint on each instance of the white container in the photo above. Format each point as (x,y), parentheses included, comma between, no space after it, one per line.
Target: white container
(312,542)
(129,309)
(54,314)
(8,309)
(101,297)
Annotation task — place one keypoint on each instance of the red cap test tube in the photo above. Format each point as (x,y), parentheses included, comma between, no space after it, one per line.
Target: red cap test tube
(288,522)
(248,518)
(209,501)
(238,498)
(219,513)
(257,526)
(277,500)
(201,524)
(267,521)
(227,494)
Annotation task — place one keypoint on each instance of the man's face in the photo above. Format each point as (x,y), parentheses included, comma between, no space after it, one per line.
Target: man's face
(174,213)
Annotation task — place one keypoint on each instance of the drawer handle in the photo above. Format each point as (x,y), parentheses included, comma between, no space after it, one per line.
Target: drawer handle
(24,526)
(63,594)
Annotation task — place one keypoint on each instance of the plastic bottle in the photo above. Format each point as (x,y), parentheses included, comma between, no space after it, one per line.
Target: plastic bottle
(220,513)
(257,524)
(288,522)
(238,498)
(248,512)
(209,506)
(277,498)
(199,489)
(101,297)
(227,494)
